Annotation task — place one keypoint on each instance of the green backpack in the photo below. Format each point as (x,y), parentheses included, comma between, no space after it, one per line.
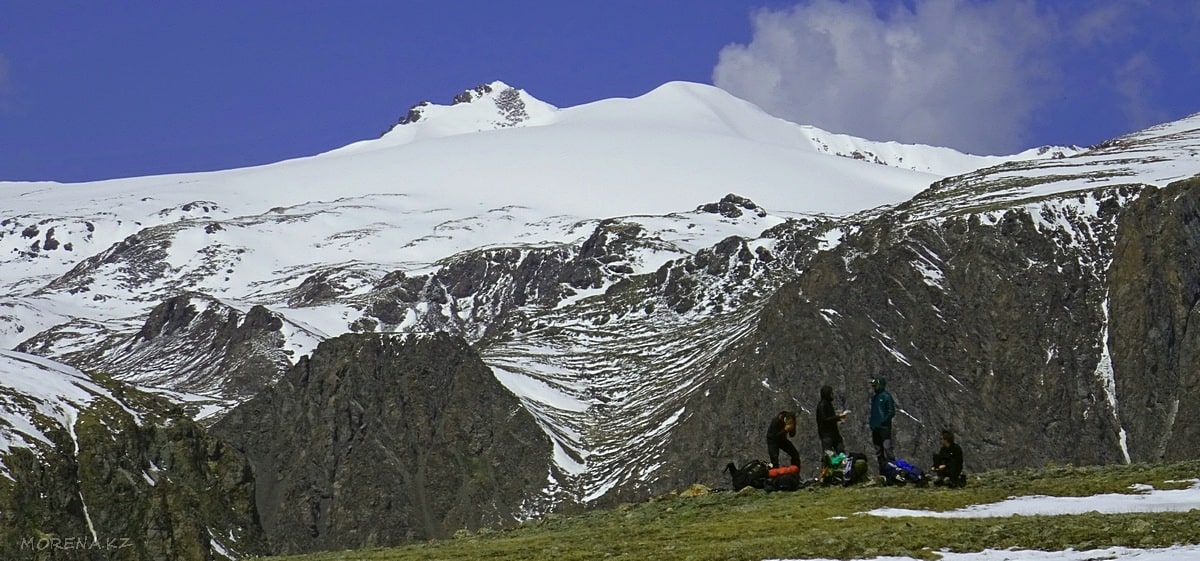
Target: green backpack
(843,468)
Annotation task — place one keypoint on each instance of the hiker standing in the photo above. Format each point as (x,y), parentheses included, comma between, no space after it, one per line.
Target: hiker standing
(781,427)
(948,462)
(827,423)
(883,408)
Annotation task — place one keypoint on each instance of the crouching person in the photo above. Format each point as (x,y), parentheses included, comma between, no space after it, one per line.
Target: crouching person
(948,463)
(778,431)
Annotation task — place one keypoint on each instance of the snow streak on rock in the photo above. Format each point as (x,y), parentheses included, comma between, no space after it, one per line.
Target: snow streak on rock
(607,390)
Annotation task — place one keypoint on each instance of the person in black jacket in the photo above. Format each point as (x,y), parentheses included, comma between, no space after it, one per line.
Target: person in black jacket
(781,427)
(948,462)
(828,418)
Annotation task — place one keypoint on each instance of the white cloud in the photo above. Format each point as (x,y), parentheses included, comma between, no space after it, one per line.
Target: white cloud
(1136,81)
(1103,24)
(968,75)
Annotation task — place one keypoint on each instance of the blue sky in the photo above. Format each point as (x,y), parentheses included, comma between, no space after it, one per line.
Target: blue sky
(96,90)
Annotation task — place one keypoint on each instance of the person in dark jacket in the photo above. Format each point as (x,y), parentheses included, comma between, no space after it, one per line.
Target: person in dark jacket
(883,409)
(828,418)
(781,427)
(948,462)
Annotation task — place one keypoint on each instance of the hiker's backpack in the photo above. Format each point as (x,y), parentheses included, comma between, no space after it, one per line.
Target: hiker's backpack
(854,468)
(844,468)
(900,472)
(787,481)
(752,474)
(831,468)
(784,470)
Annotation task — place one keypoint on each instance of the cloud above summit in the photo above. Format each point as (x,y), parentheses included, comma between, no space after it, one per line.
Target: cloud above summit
(968,74)
(945,72)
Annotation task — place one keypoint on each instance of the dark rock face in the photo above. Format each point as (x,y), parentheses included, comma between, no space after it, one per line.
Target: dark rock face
(510,109)
(732,206)
(466,96)
(314,290)
(731,260)
(414,114)
(1154,287)
(379,440)
(476,292)
(469,294)
(112,487)
(1037,334)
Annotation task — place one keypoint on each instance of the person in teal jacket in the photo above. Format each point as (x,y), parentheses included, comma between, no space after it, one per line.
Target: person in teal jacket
(883,408)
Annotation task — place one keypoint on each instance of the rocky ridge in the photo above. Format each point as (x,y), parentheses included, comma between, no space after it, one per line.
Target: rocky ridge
(377,440)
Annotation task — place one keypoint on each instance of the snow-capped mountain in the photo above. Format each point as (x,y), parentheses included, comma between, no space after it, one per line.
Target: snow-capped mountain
(502,169)
(647,276)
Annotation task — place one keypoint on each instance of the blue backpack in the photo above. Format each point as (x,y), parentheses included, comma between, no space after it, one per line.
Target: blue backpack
(900,472)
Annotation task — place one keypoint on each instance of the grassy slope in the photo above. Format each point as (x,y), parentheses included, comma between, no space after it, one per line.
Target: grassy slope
(822,522)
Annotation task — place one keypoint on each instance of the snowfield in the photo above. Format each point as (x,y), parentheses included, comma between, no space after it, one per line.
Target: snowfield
(1147,500)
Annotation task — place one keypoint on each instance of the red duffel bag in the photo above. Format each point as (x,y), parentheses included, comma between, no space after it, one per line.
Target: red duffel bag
(785,470)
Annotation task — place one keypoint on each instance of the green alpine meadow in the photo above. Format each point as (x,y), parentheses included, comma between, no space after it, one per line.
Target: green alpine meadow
(828,522)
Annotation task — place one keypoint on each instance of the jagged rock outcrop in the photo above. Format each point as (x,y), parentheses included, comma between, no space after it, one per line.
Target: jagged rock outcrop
(732,206)
(224,351)
(469,293)
(474,293)
(378,440)
(510,108)
(131,477)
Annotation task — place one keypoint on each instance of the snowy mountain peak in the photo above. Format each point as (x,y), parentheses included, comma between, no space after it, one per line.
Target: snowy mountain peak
(484,107)
(704,109)
(481,91)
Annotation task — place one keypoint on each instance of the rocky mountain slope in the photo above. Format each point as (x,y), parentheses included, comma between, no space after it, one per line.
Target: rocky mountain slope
(94,469)
(377,440)
(1038,309)
(619,295)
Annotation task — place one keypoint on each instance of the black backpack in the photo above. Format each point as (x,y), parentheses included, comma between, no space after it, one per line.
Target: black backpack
(751,474)
(785,482)
(855,469)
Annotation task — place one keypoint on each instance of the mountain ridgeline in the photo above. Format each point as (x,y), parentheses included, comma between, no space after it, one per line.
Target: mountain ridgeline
(377,440)
(1040,308)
